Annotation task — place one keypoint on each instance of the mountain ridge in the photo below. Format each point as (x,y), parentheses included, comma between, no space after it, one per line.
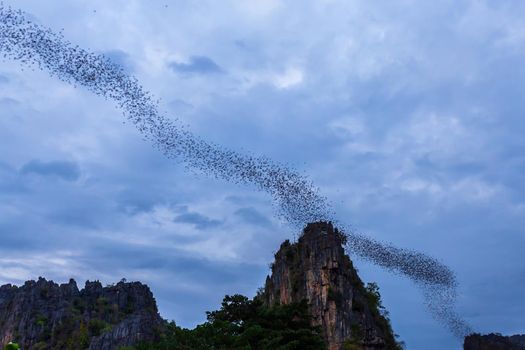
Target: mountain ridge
(494,341)
(42,314)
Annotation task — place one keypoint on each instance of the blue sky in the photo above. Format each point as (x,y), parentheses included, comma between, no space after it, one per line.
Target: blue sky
(407,115)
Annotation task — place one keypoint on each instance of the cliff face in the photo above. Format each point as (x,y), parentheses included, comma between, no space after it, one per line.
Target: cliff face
(44,315)
(494,342)
(317,269)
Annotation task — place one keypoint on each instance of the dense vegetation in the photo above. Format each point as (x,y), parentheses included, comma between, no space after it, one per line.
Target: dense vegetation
(240,324)
(247,324)
(244,324)
(380,314)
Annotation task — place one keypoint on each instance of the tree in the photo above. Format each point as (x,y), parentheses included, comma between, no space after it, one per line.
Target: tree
(12,346)
(244,324)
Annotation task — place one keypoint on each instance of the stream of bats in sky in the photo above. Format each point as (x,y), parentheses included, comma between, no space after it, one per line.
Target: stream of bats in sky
(296,198)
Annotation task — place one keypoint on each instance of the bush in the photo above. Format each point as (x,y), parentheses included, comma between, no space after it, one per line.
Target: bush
(97,327)
(351,345)
(12,346)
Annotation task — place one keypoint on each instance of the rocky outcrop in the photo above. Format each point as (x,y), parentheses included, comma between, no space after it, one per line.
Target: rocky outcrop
(316,269)
(494,342)
(44,315)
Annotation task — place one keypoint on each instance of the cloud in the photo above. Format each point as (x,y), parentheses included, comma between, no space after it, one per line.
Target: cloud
(68,171)
(120,58)
(180,107)
(252,216)
(9,181)
(291,77)
(200,221)
(196,65)
(414,130)
(82,216)
(9,102)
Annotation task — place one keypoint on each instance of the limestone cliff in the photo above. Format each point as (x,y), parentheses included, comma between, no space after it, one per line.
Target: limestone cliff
(44,315)
(316,269)
(494,342)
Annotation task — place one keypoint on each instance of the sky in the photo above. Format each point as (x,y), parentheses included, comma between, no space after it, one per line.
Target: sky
(407,115)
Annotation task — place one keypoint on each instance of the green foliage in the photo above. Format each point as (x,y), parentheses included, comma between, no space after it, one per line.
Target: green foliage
(101,306)
(42,345)
(70,334)
(80,339)
(240,324)
(351,345)
(244,324)
(11,346)
(373,298)
(97,327)
(79,306)
(40,320)
(356,332)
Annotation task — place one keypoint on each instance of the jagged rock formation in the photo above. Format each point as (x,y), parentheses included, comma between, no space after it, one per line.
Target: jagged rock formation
(317,269)
(44,315)
(494,342)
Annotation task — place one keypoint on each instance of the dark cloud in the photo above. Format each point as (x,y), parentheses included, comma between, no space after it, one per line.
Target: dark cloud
(24,231)
(197,65)
(158,257)
(68,171)
(252,216)
(133,200)
(200,221)
(9,181)
(17,236)
(77,216)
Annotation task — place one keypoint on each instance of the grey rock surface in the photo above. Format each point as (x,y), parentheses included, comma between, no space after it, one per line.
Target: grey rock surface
(317,269)
(494,341)
(44,315)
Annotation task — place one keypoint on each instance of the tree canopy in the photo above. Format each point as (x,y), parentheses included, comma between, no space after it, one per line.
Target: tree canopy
(245,324)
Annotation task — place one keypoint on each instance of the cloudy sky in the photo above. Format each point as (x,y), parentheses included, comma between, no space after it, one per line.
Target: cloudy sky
(408,115)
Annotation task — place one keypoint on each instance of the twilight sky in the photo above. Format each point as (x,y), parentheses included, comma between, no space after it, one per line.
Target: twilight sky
(407,115)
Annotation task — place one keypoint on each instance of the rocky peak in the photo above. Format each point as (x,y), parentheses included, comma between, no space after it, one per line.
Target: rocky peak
(494,341)
(316,269)
(44,315)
